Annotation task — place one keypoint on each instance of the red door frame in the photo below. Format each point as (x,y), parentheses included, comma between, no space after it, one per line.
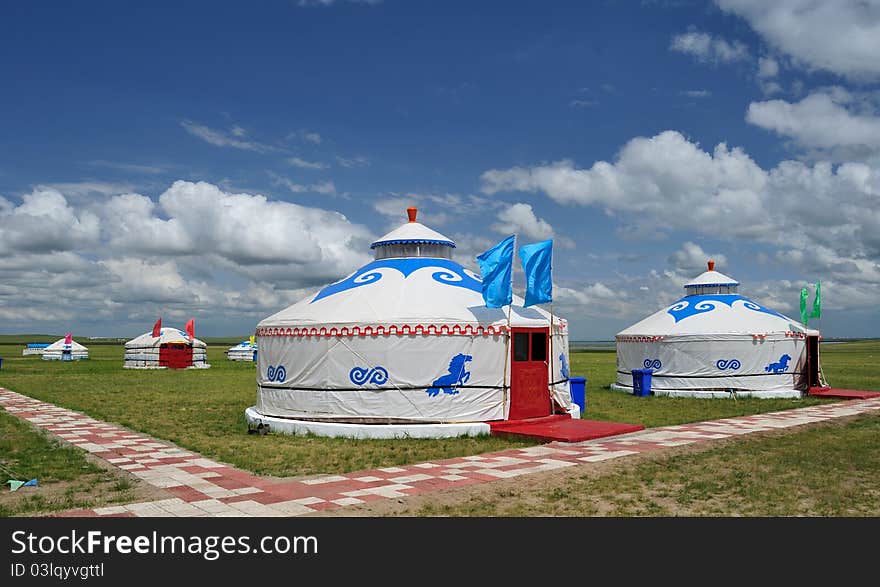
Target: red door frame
(529,383)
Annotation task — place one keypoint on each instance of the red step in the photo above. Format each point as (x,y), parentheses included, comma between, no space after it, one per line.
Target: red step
(833,392)
(560,428)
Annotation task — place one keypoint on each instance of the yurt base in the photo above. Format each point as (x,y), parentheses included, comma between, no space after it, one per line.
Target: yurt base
(715,394)
(834,393)
(258,422)
(560,428)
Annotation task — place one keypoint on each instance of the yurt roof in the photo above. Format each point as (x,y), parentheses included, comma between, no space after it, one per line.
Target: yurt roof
(405,291)
(243,345)
(416,290)
(167,335)
(710,278)
(713,313)
(413,233)
(59,345)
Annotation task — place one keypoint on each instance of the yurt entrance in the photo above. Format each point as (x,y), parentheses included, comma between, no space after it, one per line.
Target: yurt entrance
(813,361)
(529,395)
(175,356)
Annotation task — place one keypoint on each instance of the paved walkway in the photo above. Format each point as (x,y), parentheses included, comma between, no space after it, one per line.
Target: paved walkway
(202,487)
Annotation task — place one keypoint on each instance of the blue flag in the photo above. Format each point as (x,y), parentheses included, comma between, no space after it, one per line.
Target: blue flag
(496,266)
(536,262)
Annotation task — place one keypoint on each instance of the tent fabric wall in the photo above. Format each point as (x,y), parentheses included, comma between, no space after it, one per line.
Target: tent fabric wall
(400,339)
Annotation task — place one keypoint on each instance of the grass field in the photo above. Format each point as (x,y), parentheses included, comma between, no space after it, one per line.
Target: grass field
(66,478)
(202,410)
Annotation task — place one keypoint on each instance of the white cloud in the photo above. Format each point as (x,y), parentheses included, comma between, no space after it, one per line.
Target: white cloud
(825,119)
(307,136)
(842,37)
(583,103)
(321,187)
(303,164)
(219,138)
(692,260)
(353,161)
(709,49)
(673,184)
(767,67)
(128,167)
(696,93)
(520,219)
(197,249)
(44,222)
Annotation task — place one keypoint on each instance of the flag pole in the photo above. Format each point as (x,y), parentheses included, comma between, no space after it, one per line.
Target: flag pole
(551,388)
(506,394)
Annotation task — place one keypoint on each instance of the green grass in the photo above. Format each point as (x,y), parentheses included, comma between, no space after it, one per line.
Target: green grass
(830,470)
(66,478)
(203,410)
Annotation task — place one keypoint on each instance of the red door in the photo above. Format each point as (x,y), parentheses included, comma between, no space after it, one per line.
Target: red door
(529,389)
(175,356)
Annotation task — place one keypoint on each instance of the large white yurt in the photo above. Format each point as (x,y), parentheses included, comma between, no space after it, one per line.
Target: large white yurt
(243,351)
(62,351)
(714,342)
(405,347)
(172,349)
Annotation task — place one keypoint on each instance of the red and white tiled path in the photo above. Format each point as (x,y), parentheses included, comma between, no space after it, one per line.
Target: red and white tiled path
(203,487)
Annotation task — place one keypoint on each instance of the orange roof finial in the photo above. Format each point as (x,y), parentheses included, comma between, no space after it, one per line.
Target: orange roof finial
(412,211)
(711,265)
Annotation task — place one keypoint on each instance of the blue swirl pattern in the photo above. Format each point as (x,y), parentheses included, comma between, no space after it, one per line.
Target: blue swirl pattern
(653,364)
(277,374)
(449,273)
(693,305)
(731,364)
(362,376)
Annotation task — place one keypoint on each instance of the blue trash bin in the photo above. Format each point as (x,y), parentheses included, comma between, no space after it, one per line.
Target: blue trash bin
(642,381)
(577,387)
(1,362)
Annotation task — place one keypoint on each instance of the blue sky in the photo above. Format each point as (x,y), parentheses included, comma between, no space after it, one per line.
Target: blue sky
(224,159)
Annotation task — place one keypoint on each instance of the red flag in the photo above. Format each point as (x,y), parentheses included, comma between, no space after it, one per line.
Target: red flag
(67,338)
(191,329)
(157,328)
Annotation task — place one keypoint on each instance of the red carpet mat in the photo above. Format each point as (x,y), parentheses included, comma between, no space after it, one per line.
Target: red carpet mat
(561,428)
(832,392)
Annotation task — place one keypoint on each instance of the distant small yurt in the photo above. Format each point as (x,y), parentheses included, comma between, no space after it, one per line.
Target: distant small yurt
(171,349)
(34,348)
(243,351)
(406,347)
(714,342)
(62,350)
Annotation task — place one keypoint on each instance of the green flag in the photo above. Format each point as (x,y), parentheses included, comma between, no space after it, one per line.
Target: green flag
(14,484)
(804,316)
(817,302)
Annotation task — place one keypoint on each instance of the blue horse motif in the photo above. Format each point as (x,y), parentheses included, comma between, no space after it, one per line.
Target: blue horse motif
(780,367)
(456,376)
(564,369)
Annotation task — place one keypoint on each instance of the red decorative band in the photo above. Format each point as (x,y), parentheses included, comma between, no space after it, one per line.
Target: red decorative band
(383,330)
(656,338)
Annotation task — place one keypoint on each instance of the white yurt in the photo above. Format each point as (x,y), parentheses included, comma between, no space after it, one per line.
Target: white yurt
(61,351)
(714,342)
(172,349)
(405,347)
(243,351)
